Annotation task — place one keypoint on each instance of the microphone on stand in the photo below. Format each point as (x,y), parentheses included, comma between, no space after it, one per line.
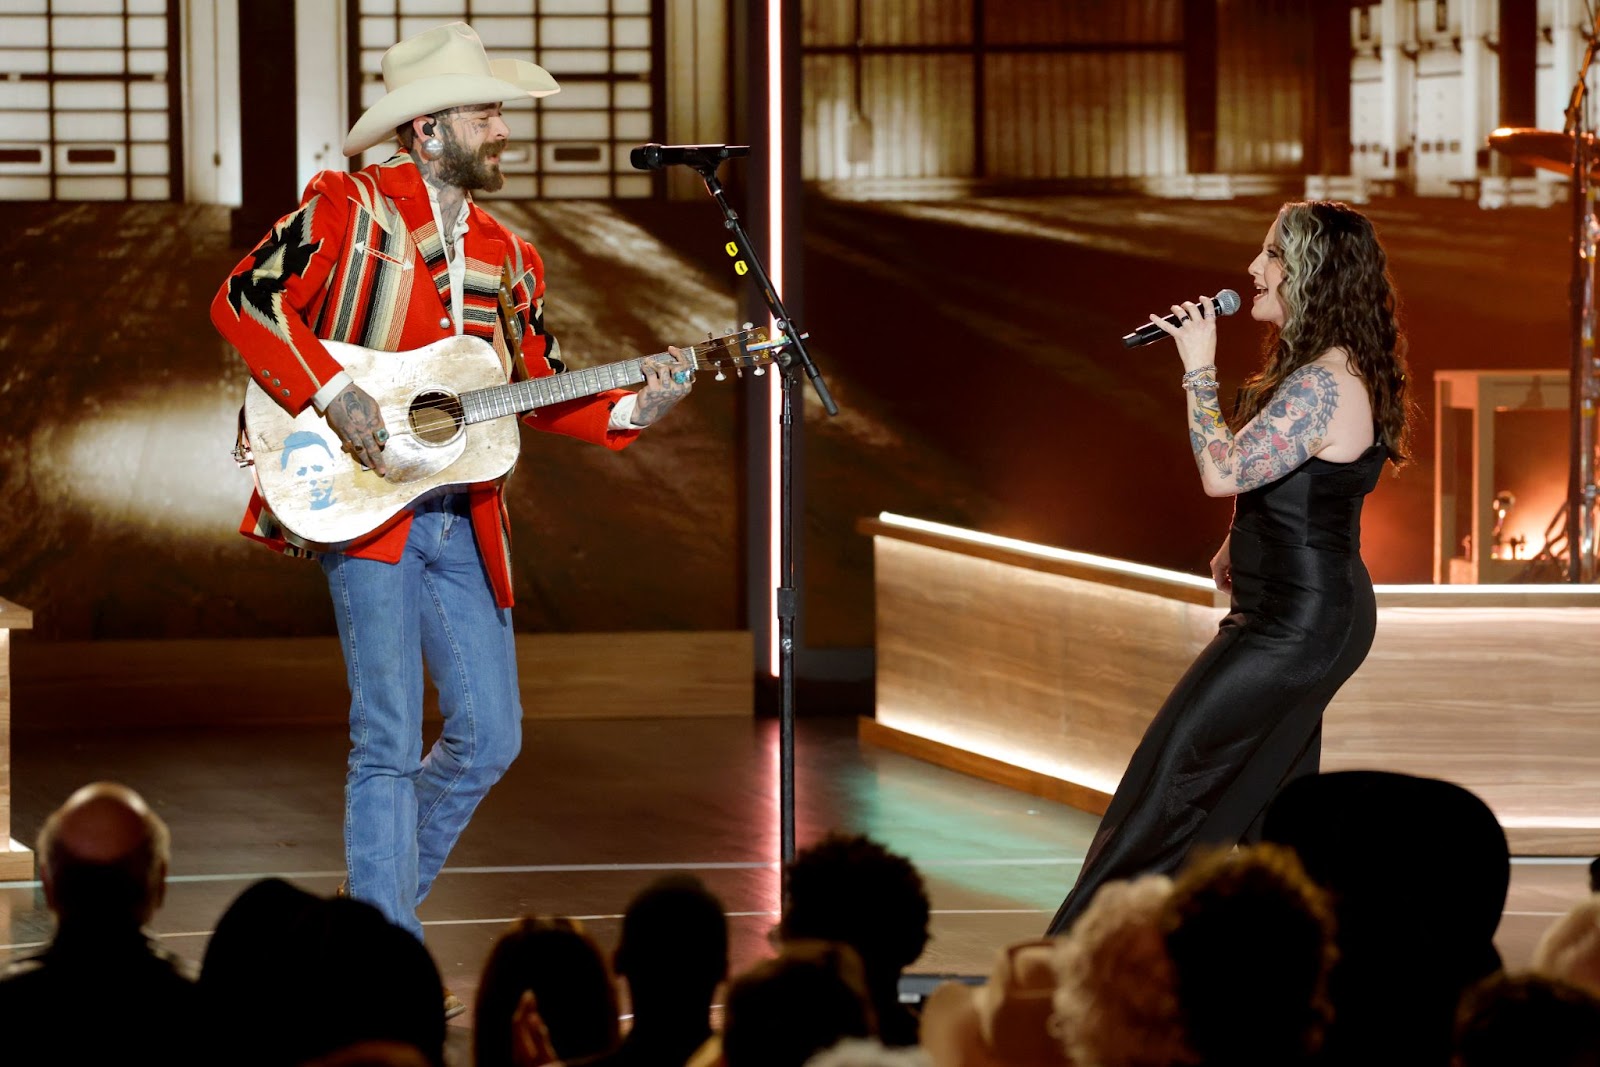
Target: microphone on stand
(655,156)
(1224,303)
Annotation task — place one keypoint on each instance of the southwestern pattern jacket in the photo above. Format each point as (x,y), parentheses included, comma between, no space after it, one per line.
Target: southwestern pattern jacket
(361,261)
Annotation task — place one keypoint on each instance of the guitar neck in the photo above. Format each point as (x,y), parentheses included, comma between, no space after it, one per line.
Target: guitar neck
(481,405)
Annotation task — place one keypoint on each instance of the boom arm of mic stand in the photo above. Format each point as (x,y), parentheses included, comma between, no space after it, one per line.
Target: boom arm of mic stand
(1580,88)
(780,314)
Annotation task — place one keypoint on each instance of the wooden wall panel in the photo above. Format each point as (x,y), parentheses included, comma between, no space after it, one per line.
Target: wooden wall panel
(920,108)
(87,684)
(1507,699)
(999,656)
(1070,90)
(917,22)
(1039,670)
(1085,115)
(1058,22)
(1263,77)
(886,22)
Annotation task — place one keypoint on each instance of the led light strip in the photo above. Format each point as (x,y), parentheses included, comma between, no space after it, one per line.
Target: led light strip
(775,269)
(974,537)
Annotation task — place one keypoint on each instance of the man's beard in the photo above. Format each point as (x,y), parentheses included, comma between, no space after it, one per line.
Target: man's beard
(471,170)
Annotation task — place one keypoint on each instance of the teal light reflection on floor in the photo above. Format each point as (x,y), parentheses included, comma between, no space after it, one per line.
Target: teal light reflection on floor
(1004,848)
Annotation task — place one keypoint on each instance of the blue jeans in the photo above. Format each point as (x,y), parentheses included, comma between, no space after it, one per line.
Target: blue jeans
(403,813)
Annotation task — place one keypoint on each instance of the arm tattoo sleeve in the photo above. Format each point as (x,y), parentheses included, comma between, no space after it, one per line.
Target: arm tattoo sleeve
(1282,436)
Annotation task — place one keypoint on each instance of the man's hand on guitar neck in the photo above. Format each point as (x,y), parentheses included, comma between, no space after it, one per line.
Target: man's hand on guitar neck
(355,417)
(665,383)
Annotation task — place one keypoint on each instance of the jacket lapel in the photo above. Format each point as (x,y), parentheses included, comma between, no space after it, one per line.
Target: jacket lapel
(480,295)
(403,184)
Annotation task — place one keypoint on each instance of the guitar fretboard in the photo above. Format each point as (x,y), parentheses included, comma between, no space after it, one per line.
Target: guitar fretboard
(498,401)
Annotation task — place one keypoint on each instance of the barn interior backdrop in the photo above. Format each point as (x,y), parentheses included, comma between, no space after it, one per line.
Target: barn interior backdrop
(979,197)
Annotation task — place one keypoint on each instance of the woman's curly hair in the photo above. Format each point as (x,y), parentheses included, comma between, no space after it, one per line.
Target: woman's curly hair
(1116,999)
(1336,293)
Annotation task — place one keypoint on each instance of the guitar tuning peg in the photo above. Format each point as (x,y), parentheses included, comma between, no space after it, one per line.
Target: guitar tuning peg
(738,370)
(759,371)
(749,325)
(720,376)
(710,336)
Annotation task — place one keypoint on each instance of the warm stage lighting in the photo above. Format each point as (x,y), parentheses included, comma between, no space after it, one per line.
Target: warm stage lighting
(156,466)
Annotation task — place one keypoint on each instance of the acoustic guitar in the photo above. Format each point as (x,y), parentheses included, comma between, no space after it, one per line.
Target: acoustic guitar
(452,421)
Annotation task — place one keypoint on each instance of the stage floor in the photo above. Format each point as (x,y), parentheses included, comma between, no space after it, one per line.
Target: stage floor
(591,813)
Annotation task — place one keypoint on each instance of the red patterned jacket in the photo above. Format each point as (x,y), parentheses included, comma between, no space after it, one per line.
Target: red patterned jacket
(361,261)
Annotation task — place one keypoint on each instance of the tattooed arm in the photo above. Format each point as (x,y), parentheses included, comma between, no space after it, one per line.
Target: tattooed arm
(1291,429)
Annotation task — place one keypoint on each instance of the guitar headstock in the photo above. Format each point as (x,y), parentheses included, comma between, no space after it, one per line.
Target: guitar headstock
(736,350)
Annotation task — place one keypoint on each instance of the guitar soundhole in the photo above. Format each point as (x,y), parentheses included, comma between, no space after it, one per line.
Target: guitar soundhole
(436,418)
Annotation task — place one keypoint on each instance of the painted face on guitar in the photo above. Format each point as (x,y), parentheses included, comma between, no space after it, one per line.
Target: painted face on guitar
(308,459)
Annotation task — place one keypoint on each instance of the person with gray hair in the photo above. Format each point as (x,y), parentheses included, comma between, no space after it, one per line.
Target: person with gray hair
(103,863)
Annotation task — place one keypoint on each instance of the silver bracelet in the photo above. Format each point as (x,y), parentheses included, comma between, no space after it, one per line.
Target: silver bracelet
(1201,376)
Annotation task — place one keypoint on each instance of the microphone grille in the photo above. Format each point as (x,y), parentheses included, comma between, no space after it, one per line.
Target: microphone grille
(1227,302)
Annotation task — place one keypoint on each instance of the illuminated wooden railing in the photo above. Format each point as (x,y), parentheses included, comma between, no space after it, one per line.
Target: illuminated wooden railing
(1040,668)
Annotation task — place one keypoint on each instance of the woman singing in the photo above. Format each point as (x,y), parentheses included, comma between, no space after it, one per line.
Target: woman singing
(1310,435)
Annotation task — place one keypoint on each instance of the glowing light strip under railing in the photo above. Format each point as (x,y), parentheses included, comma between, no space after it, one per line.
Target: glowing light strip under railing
(975,537)
(775,65)
(1029,759)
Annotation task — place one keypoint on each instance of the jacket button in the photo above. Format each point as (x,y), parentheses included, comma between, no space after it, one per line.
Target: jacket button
(444,323)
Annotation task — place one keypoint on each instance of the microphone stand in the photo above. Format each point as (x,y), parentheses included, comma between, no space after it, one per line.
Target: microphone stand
(792,358)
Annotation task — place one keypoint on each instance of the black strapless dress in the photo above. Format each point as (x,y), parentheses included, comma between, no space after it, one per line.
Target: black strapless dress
(1246,718)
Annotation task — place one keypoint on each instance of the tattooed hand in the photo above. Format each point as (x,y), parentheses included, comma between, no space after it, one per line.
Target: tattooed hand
(665,383)
(355,417)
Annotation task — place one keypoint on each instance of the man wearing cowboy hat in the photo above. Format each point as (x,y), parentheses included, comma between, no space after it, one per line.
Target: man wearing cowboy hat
(395,257)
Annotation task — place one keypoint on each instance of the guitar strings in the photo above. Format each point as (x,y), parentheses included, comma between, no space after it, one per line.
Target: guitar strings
(454,408)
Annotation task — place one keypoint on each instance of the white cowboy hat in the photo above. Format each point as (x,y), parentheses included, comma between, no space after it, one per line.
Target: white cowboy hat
(442,68)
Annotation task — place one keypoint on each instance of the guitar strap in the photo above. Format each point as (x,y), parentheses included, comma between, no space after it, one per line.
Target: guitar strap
(511,325)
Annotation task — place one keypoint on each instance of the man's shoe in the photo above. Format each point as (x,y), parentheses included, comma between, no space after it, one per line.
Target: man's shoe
(453,1005)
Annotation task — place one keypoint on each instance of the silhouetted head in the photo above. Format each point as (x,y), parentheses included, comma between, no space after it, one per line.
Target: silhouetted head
(1518,1020)
(565,972)
(103,858)
(1417,870)
(852,889)
(674,945)
(272,937)
(783,1011)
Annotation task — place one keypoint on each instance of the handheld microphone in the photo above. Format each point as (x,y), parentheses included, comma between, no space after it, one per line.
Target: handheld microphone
(1224,303)
(655,156)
